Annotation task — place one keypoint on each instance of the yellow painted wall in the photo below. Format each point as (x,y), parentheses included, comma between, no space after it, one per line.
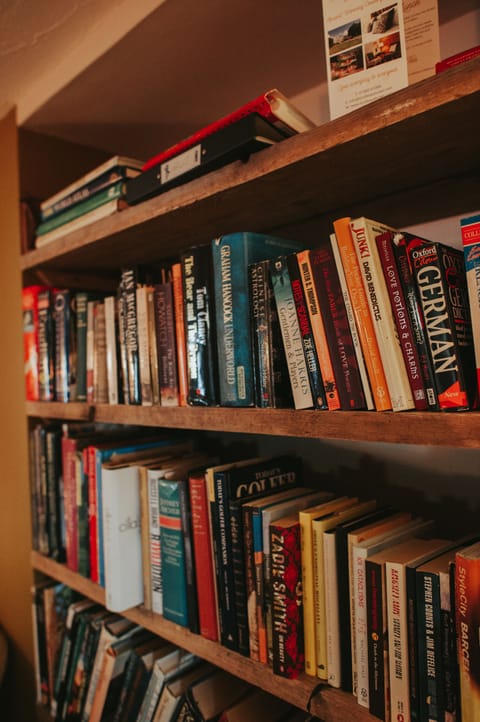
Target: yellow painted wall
(18,696)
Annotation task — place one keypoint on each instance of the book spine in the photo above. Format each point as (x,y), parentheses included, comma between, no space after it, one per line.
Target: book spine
(339,338)
(180,341)
(362,369)
(287,619)
(272,384)
(30,341)
(402,320)
(166,349)
(46,368)
(366,331)
(81,300)
(65,351)
(111,346)
(79,209)
(82,513)
(364,233)
(318,330)
(238,568)
(311,357)
(122,348)
(291,334)
(306,539)
(429,645)
(319,599)
(100,392)
(417,321)
(69,448)
(153,364)
(128,287)
(377,640)
(397,640)
(200,327)
(332,617)
(40,637)
(144,340)
(92,514)
(53,470)
(470,228)
(361,639)
(207,611)
(190,576)
(467,601)
(440,278)
(175,604)
(90,352)
(155,556)
(250,587)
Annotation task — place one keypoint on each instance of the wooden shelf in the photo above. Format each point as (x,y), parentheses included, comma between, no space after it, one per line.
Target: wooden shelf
(382,150)
(458,430)
(329,704)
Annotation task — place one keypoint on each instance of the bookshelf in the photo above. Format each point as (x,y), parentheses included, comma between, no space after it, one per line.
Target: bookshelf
(409,157)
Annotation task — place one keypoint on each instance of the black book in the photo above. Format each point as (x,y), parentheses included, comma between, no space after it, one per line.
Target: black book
(235,142)
(46,348)
(65,331)
(53,468)
(200,332)
(130,362)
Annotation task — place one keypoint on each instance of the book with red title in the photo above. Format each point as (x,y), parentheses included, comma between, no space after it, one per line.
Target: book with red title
(271,105)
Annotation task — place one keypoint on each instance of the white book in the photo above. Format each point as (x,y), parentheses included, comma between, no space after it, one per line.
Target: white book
(121,537)
(334,667)
(352,324)
(364,232)
(111,347)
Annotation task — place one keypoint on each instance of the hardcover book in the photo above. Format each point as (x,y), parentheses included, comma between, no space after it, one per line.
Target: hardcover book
(128,318)
(439,273)
(234,142)
(470,228)
(64,317)
(145,341)
(291,334)
(179,308)
(364,232)
(46,347)
(366,332)
(467,613)
(337,329)
(30,340)
(111,341)
(200,332)
(232,254)
(272,383)
(166,344)
(103,211)
(271,105)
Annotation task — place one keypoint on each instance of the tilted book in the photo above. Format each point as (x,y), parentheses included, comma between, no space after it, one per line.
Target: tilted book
(364,232)
(366,332)
(232,254)
(439,273)
(271,105)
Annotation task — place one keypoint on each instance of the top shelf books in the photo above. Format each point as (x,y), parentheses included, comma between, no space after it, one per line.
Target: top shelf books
(355,162)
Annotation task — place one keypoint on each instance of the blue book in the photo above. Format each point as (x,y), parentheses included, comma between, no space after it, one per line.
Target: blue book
(179,592)
(232,254)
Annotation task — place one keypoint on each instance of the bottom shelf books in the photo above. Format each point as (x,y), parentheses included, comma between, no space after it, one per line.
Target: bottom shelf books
(93,665)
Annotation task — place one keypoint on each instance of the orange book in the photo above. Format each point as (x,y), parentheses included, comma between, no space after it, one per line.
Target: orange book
(177,287)
(30,341)
(318,330)
(363,318)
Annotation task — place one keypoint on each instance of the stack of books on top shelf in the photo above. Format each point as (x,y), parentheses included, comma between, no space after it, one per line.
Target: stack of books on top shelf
(370,318)
(95,195)
(93,665)
(364,597)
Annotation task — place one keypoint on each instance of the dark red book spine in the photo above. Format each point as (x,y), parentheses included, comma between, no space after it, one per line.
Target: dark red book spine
(337,329)
(92,514)
(286,594)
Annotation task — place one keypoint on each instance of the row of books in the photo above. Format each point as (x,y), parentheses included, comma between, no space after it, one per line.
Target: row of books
(95,665)
(368,319)
(121,181)
(364,597)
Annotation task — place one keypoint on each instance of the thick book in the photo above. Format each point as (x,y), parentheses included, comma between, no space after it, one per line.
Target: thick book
(46,347)
(366,332)
(467,616)
(232,254)
(439,273)
(236,482)
(176,553)
(401,317)
(291,334)
(234,142)
(199,308)
(470,228)
(337,329)
(30,340)
(272,383)
(166,342)
(106,174)
(364,233)
(417,320)
(271,105)
(103,211)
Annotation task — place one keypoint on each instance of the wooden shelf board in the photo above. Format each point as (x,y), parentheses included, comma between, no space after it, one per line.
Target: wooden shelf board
(458,430)
(328,703)
(379,150)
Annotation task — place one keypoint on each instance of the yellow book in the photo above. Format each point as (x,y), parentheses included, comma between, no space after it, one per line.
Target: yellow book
(306,539)
(366,331)
(319,526)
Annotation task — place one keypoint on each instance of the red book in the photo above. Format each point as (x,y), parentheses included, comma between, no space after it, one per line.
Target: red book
(272,105)
(457,59)
(286,595)
(92,513)
(30,340)
(467,612)
(202,553)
